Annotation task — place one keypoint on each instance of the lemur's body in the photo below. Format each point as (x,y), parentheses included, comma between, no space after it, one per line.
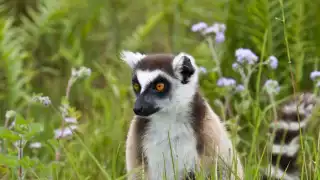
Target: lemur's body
(169,104)
(286,140)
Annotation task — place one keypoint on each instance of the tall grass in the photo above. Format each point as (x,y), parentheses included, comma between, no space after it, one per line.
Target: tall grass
(40,42)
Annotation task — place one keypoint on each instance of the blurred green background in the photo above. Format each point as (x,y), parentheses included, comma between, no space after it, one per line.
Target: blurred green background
(41,40)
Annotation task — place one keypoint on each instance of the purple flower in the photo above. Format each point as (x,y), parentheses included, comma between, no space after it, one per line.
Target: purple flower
(203,69)
(209,30)
(314,75)
(239,88)
(45,100)
(199,27)
(220,37)
(245,56)
(67,131)
(273,62)
(70,120)
(272,86)
(215,28)
(225,82)
(235,66)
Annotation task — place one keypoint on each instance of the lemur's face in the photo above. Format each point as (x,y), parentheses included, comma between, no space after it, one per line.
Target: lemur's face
(161,82)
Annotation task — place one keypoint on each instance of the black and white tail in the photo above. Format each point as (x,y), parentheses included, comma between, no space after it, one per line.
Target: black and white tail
(286,137)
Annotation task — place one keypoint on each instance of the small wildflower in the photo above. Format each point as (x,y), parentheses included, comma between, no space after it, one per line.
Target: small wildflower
(35,145)
(71,120)
(235,66)
(272,87)
(239,88)
(273,62)
(45,100)
(82,72)
(67,131)
(209,30)
(199,27)
(203,69)
(226,82)
(314,75)
(215,28)
(220,37)
(246,55)
(10,114)
(222,27)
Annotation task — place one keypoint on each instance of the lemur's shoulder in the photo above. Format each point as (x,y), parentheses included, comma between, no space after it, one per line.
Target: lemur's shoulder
(217,144)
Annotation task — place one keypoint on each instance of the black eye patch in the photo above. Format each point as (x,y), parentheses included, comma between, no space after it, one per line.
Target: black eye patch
(162,83)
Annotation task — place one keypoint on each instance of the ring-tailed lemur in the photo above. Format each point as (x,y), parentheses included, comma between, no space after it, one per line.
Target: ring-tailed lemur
(169,104)
(167,93)
(286,139)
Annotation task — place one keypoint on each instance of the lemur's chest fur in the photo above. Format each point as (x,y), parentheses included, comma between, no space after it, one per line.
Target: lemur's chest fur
(162,153)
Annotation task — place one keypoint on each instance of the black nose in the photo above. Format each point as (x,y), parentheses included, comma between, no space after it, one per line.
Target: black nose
(138,110)
(144,107)
(146,110)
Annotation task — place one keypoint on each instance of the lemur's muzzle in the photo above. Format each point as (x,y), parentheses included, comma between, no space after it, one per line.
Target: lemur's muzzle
(144,106)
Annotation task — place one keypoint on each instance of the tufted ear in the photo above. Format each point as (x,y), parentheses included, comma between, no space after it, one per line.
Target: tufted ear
(184,67)
(131,58)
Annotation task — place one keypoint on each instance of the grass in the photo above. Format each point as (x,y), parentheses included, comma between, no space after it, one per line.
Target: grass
(41,41)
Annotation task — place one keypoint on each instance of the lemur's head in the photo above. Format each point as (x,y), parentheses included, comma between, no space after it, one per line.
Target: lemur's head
(162,82)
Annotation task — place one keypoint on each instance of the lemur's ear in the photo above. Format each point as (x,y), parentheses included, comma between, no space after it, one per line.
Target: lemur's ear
(131,58)
(184,67)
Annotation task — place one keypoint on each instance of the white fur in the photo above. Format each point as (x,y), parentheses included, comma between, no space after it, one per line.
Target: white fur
(173,118)
(182,93)
(278,173)
(289,125)
(292,108)
(175,121)
(131,58)
(157,147)
(288,149)
(145,77)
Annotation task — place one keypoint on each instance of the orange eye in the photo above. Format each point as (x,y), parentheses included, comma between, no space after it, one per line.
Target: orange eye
(136,86)
(160,87)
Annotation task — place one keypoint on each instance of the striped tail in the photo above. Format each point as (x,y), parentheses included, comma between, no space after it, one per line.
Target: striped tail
(286,137)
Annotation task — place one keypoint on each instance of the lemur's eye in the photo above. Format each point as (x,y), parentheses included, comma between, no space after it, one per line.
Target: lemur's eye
(160,87)
(136,87)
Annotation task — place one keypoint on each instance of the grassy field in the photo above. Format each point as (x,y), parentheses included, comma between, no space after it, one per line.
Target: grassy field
(60,63)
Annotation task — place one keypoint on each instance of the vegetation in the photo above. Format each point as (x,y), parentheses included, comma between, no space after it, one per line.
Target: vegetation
(60,68)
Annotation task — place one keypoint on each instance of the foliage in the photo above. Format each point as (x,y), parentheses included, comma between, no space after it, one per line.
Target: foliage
(42,40)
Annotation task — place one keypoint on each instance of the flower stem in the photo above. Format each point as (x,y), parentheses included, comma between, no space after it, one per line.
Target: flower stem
(6,125)
(68,89)
(316,89)
(227,106)
(275,116)
(214,55)
(70,83)
(20,155)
